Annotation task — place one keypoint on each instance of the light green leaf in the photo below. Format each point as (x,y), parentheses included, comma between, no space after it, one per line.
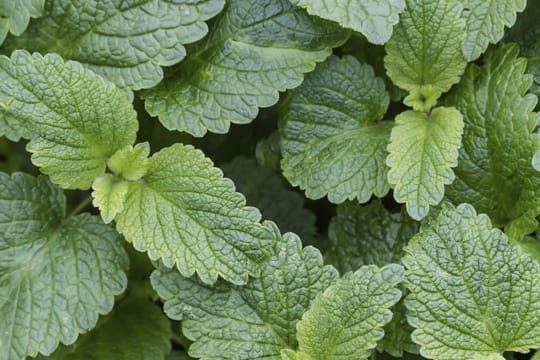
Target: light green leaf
(15,15)
(130,163)
(486,20)
(346,321)
(75,120)
(251,322)
(185,212)
(254,50)
(127,42)
(109,195)
(425,49)
(364,235)
(57,274)
(473,295)
(136,329)
(373,18)
(495,174)
(268,192)
(423,150)
(332,141)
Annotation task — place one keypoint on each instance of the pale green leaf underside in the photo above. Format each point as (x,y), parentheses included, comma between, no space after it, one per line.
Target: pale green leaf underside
(255,321)
(473,295)
(485,21)
(73,118)
(495,174)
(425,48)
(15,15)
(346,321)
(254,50)
(331,141)
(423,150)
(363,235)
(136,329)
(373,18)
(185,212)
(127,42)
(56,275)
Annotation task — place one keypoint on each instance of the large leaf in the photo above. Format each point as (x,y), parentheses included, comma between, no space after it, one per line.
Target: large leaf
(254,50)
(373,18)
(332,141)
(185,212)
(74,119)
(251,322)
(57,274)
(423,150)
(127,42)
(473,295)
(495,174)
(15,15)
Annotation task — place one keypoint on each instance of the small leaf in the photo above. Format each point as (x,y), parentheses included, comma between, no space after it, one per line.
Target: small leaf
(473,295)
(15,15)
(56,274)
(109,195)
(332,141)
(131,163)
(423,150)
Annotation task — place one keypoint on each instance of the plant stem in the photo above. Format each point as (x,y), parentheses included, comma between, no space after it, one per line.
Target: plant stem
(80,207)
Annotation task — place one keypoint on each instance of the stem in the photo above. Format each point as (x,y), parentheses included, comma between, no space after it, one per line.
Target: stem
(82,205)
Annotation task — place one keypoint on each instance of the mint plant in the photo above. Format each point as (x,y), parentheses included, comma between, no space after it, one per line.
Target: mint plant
(269,179)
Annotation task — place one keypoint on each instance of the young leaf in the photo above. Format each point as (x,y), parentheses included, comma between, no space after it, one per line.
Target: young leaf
(495,174)
(473,295)
(423,150)
(332,141)
(124,41)
(57,274)
(15,15)
(109,195)
(75,120)
(251,322)
(185,212)
(136,329)
(373,18)
(346,321)
(254,50)
(363,235)
(486,20)
(425,49)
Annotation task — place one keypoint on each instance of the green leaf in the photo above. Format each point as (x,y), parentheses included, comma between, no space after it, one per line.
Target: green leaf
(332,141)
(397,334)
(109,195)
(136,329)
(363,235)
(268,151)
(127,42)
(495,174)
(185,212)
(251,322)
(75,120)
(425,49)
(130,163)
(485,21)
(423,150)
(57,274)
(268,192)
(473,295)
(254,50)
(15,15)
(345,322)
(373,18)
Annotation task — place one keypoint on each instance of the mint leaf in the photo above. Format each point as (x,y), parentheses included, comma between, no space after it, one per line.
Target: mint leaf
(136,329)
(15,15)
(75,120)
(56,274)
(373,18)
(109,195)
(345,322)
(473,295)
(332,141)
(268,151)
(185,212)
(425,49)
(125,42)
(486,20)
(498,117)
(397,333)
(253,51)
(370,234)
(251,322)
(423,150)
